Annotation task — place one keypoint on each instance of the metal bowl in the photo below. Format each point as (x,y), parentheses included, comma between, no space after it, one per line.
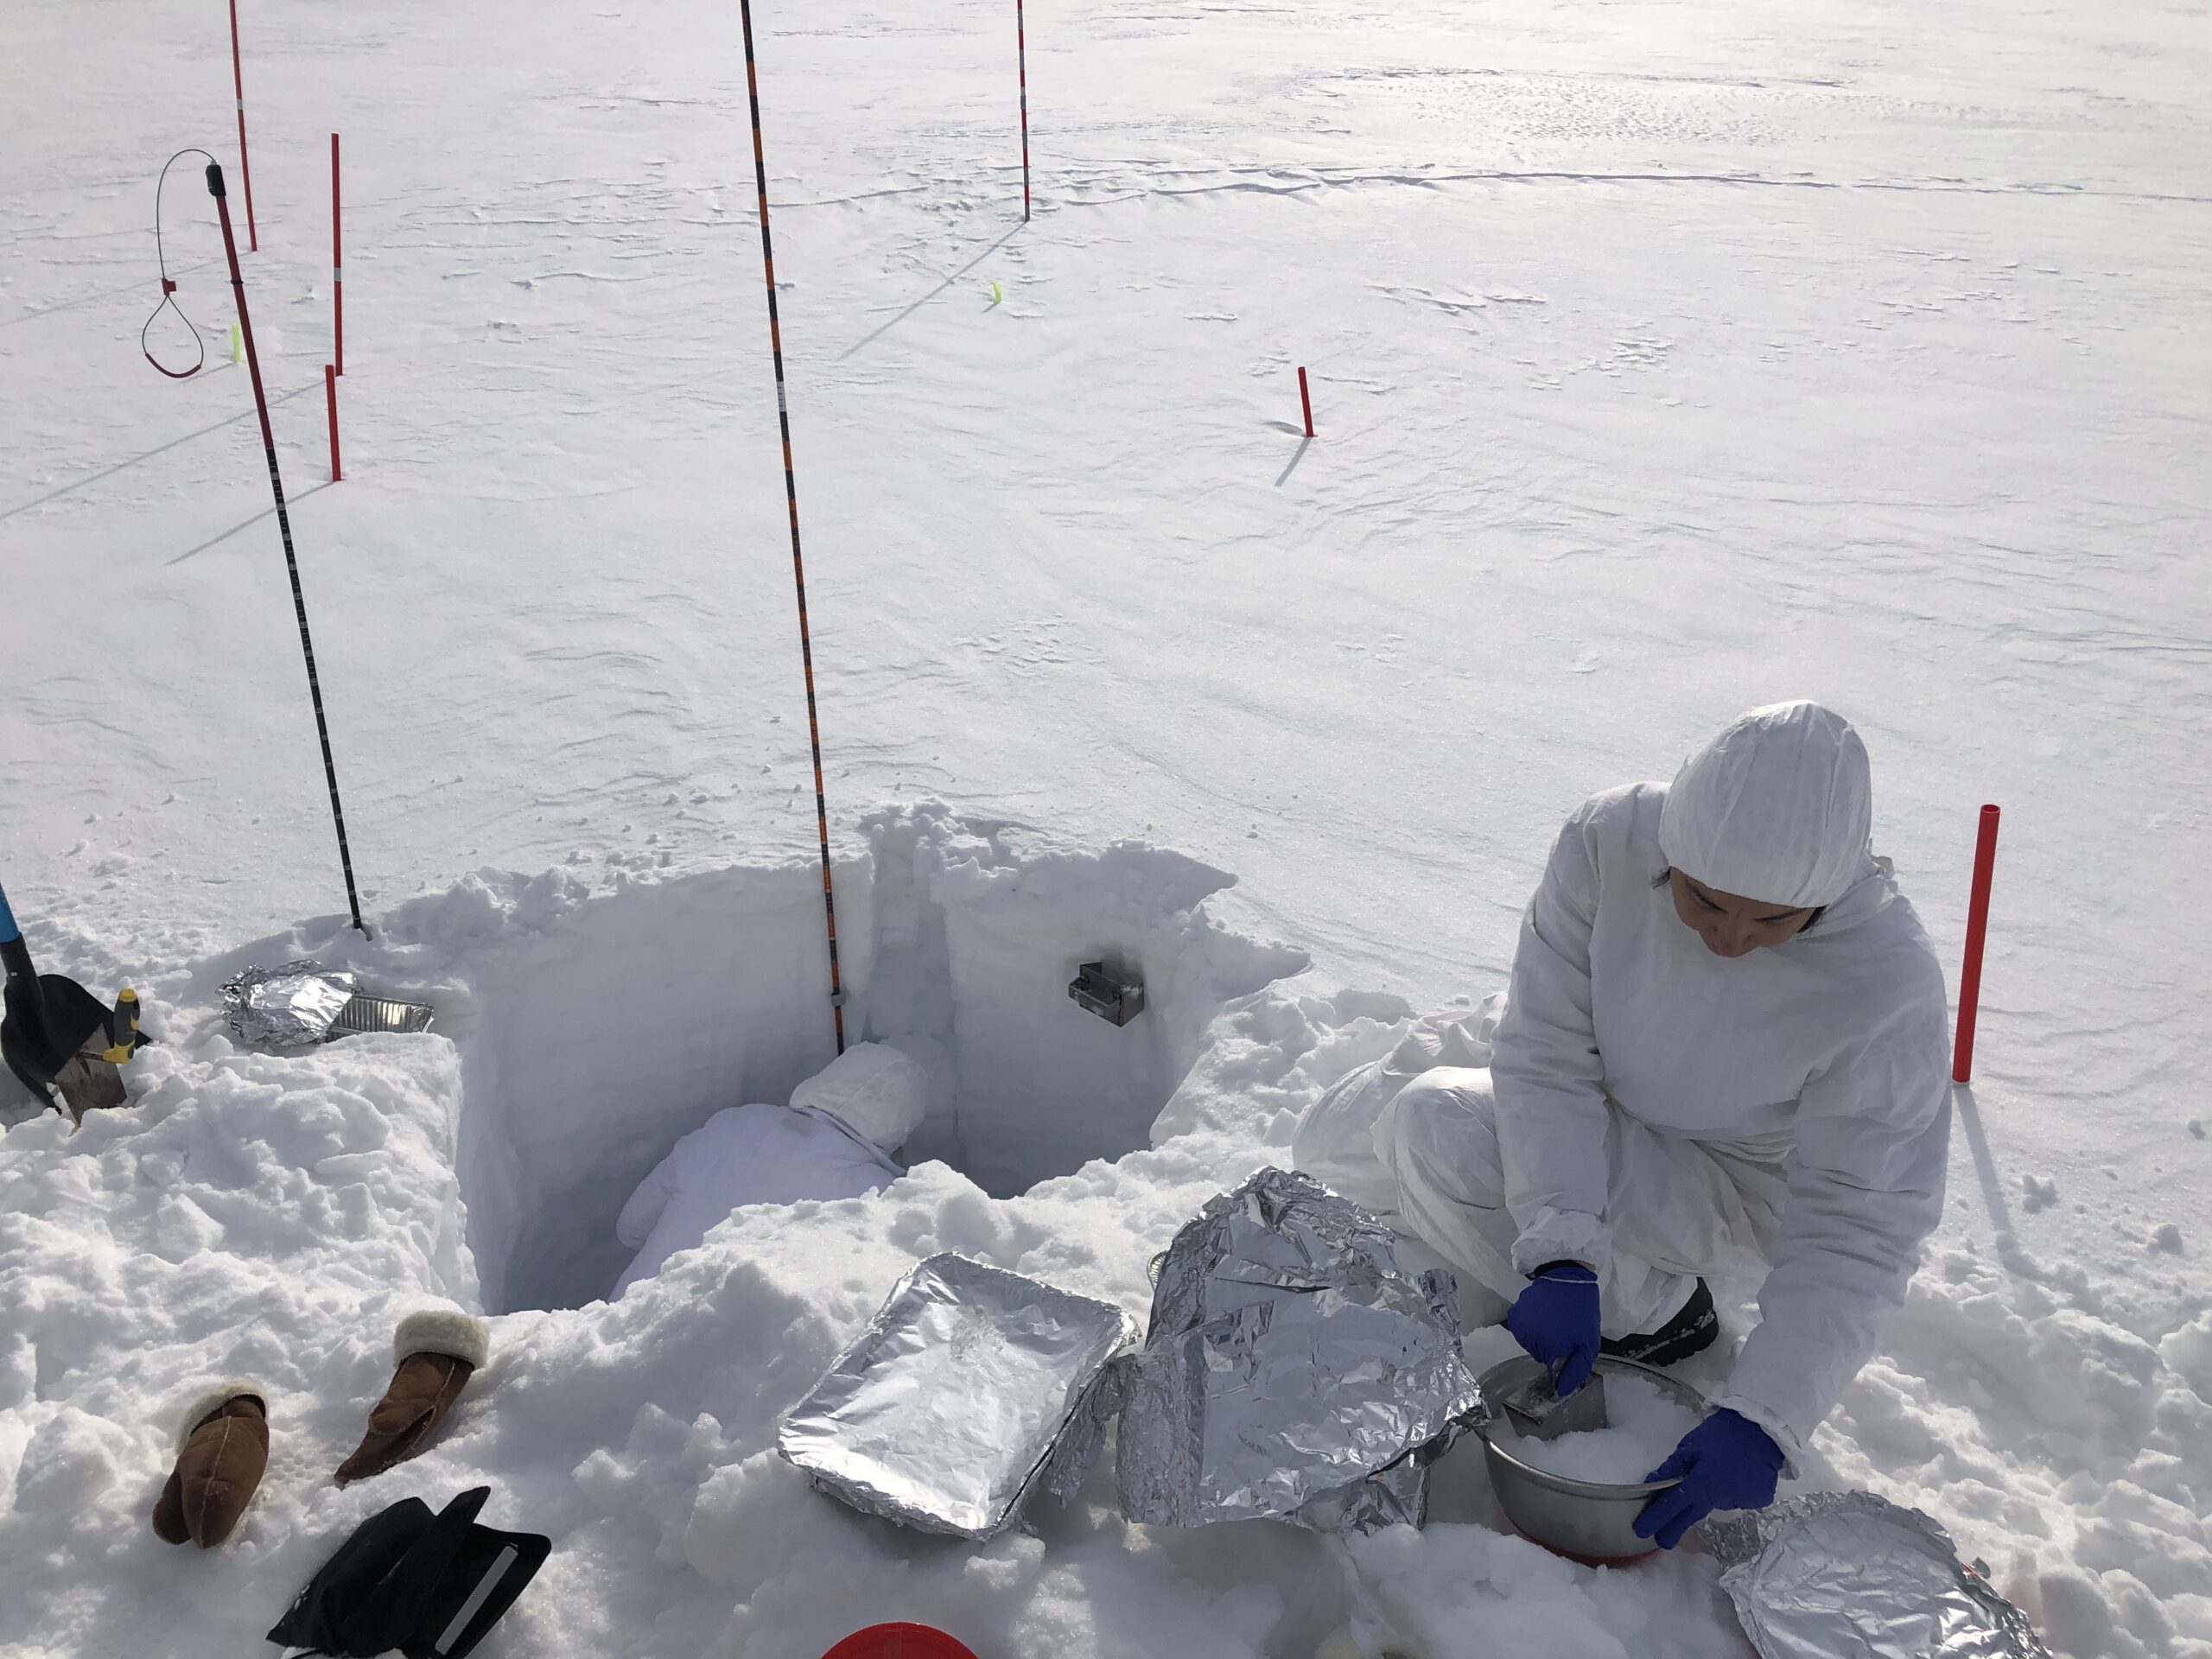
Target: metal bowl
(1587,1521)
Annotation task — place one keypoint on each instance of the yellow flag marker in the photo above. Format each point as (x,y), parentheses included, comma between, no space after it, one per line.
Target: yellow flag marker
(997,298)
(238,345)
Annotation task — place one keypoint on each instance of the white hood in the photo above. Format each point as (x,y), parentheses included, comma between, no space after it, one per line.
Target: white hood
(875,1090)
(1778,808)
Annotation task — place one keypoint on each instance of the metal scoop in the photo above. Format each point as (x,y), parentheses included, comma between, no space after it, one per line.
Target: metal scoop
(1541,1413)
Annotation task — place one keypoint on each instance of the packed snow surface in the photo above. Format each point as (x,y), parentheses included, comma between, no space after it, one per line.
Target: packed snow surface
(1644,1423)
(1667,359)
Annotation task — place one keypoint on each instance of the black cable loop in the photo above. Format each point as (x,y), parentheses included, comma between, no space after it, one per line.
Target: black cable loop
(168,288)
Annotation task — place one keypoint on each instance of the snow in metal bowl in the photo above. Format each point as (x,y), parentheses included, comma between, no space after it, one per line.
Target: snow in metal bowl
(1590,1520)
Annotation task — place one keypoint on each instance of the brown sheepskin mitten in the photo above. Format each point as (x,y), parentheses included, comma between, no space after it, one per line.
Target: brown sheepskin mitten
(437,1352)
(222,1447)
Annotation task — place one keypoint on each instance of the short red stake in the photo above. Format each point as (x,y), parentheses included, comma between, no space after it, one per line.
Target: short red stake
(337,268)
(1306,398)
(330,394)
(246,172)
(1985,865)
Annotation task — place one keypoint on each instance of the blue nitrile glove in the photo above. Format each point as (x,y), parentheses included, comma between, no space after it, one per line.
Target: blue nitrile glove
(1726,1461)
(1556,1320)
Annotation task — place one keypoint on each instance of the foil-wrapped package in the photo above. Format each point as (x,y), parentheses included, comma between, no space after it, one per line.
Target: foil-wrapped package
(945,1411)
(296,1003)
(1291,1368)
(1849,1575)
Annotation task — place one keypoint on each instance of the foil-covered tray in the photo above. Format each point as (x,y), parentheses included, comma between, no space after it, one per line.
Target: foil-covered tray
(295,1003)
(303,1001)
(945,1412)
(1849,1575)
(1291,1368)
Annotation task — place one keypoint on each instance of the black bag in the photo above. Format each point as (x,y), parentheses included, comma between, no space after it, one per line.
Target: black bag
(430,1585)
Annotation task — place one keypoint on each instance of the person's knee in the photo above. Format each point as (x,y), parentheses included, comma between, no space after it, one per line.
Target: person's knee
(1442,1132)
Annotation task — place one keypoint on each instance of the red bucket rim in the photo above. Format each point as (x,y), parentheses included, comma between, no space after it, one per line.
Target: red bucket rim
(899,1642)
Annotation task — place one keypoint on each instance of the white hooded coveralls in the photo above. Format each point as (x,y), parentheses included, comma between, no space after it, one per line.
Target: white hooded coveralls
(1660,1112)
(828,1143)
(743,1154)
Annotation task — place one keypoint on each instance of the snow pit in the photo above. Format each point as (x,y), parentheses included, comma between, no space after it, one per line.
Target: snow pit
(1642,1426)
(596,1028)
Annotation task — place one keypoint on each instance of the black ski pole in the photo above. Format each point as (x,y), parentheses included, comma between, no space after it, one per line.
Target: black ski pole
(284,525)
(798,564)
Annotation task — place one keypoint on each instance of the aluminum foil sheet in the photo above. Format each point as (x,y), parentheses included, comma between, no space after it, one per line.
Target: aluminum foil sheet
(1848,1575)
(1291,1368)
(946,1410)
(293,1004)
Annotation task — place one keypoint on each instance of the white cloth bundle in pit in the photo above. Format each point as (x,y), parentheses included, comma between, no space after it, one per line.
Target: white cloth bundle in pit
(832,1141)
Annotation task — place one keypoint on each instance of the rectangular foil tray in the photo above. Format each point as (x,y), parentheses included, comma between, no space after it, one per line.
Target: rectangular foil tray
(946,1410)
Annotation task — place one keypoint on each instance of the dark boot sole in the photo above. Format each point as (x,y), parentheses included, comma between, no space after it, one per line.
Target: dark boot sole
(1693,1331)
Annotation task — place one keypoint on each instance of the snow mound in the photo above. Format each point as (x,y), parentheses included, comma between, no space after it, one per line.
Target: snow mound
(276,1216)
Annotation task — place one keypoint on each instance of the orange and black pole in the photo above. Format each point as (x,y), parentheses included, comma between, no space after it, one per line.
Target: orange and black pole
(799,562)
(284,525)
(1021,62)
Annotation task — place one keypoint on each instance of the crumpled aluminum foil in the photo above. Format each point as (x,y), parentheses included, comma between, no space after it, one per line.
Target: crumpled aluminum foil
(945,1411)
(1849,1573)
(1291,1369)
(288,1005)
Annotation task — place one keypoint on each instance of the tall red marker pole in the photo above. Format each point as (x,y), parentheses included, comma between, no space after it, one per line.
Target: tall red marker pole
(337,275)
(1306,398)
(1985,866)
(1021,58)
(246,172)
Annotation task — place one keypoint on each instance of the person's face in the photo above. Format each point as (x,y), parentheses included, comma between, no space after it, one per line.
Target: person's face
(1731,925)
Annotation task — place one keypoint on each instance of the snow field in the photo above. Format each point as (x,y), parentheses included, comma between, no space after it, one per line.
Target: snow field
(1667,359)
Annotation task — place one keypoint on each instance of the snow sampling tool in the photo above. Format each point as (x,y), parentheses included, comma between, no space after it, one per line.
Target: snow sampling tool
(59,1037)
(1112,992)
(1540,1412)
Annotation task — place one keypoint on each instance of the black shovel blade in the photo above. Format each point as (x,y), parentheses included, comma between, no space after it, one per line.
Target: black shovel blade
(35,1051)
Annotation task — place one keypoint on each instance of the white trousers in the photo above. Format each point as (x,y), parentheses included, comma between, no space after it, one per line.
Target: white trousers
(1678,1207)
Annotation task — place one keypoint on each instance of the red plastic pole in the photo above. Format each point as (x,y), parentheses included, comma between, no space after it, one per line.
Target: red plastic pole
(1021,58)
(1985,865)
(337,268)
(330,393)
(245,171)
(1306,397)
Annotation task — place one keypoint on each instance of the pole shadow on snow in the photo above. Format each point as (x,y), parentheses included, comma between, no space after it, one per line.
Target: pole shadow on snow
(124,465)
(1984,1166)
(1304,444)
(137,285)
(862,345)
(247,523)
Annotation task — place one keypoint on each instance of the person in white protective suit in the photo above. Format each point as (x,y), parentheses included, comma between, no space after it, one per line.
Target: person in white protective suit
(834,1140)
(1724,1044)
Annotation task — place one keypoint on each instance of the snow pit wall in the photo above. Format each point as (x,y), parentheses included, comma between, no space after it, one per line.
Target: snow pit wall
(593,1043)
